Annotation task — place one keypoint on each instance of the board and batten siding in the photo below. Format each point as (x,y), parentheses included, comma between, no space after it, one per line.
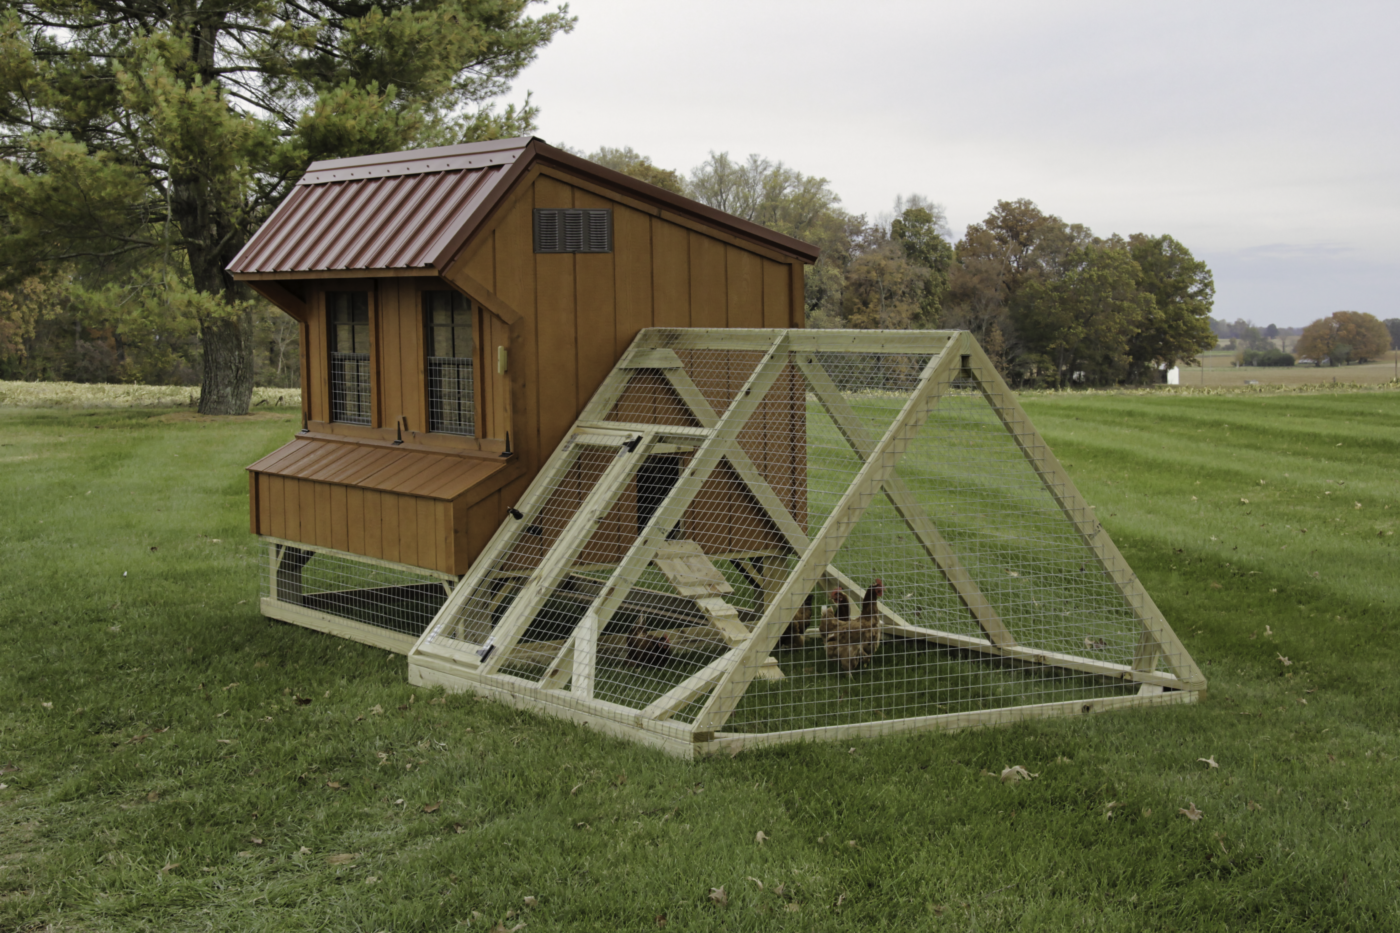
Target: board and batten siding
(580,311)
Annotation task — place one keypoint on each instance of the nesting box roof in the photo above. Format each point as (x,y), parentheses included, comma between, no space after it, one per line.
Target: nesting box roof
(416,209)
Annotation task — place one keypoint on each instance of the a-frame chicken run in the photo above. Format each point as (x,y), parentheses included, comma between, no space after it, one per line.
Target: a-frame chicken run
(759,536)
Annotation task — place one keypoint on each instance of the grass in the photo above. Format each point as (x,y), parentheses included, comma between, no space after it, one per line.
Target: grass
(171,773)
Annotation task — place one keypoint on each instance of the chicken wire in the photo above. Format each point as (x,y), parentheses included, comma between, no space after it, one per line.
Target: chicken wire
(392,597)
(668,565)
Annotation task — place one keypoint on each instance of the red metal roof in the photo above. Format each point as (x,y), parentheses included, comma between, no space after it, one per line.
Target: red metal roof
(414,210)
(399,210)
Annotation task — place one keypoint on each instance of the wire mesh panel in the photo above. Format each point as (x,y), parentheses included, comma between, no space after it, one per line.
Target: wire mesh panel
(350,369)
(390,597)
(451,382)
(779,535)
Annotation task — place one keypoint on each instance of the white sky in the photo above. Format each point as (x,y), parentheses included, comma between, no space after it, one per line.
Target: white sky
(1263,135)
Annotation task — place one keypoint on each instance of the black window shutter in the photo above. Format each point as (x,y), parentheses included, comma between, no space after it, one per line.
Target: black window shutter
(573,230)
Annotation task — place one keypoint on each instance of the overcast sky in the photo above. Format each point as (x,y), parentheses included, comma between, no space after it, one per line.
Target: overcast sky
(1264,136)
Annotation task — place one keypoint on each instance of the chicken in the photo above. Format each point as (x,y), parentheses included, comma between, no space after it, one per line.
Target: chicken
(647,649)
(792,638)
(851,642)
(869,620)
(836,613)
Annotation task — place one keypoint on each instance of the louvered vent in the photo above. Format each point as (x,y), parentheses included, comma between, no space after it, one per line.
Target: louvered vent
(570,230)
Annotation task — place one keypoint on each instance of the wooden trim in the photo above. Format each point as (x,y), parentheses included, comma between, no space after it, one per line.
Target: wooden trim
(372,635)
(282,297)
(797,314)
(479,293)
(375,561)
(944,722)
(423,671)
(322,274)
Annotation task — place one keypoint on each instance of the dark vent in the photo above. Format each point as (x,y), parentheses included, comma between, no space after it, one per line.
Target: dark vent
(567,230)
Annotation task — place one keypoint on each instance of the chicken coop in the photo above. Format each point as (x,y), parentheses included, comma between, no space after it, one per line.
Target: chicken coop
(753,536)
(458,307)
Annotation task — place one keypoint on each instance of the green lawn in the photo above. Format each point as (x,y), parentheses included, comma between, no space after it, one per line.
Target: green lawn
(174,761)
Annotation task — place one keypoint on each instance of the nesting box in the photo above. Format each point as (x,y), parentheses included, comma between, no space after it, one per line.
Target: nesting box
(459,306)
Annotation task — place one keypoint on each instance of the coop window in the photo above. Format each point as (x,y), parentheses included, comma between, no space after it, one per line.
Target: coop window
(451,382)
(350,385)
(569,230)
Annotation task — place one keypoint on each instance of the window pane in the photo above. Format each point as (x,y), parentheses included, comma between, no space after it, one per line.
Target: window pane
(350,385)
(451,377)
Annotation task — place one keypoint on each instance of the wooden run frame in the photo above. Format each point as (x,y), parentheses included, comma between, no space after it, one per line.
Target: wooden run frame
(454,655)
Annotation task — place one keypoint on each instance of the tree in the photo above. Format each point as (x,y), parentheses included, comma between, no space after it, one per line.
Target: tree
(171,130)
(1271,331)
(883,289)
(916,232)
(1393,325)
(635,165)
(1084,320)
(997,259)
(1183,292)
(1344,337)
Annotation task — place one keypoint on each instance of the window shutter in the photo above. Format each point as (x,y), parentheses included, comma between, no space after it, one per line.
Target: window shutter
(573,230)
(547,239)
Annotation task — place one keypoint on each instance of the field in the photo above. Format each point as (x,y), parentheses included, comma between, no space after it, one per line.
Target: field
(173,761)
(1220,370)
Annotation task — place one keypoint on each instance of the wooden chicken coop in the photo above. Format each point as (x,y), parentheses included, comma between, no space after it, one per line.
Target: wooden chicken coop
(459,307)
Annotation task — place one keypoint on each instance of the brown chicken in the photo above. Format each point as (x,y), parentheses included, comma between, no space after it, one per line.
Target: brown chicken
(792,637)
(849,641)
(647,649)
(869,619)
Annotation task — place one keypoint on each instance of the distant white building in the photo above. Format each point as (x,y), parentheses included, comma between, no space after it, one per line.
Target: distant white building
(1174,376)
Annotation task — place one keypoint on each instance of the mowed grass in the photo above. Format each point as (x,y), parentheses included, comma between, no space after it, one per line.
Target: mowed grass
(174,761)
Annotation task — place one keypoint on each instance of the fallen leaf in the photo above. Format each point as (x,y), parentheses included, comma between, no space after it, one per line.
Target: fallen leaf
(223,741)
(1251,805)
(575,790)
(376,709)
(1192,814)
(760,838)
(1245,501)
(1095,644)
(1358,505)
(1012,573)
(440,701)
(1216,586)
(1016,773)
(256,841)
(343,858)
(431,808)
(152,797)
(793,908)
(841,899)
(371,880)
(303,851)
(530,900)
(755,881)
(231,686)
(245,855)
(302,701)
(1210,761)
(1268,632)
(46,705)
(335,785)
(719,897)
(660,921)
(1286,662)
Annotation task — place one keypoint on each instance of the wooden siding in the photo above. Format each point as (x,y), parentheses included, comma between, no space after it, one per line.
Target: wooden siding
(567,319)
(661,273)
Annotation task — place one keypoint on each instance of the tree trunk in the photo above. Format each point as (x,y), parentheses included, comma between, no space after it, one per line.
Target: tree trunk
(227,386)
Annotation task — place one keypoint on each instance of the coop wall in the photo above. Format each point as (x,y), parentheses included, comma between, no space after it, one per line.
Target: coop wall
(580,311)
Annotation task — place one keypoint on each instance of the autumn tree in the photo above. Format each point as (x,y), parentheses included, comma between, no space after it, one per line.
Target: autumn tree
(138,130)
(1344,337)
